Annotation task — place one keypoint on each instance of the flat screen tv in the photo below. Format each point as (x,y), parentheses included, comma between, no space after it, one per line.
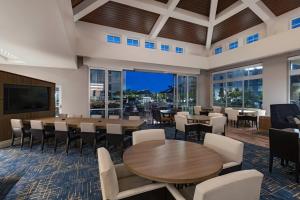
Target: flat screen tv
(25,98)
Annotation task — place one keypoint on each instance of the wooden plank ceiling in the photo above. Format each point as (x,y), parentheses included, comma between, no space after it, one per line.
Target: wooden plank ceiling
(235,24)
(123,17)
(184,31)
(279,7)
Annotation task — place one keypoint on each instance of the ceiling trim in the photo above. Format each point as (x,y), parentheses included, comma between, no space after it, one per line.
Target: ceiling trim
(86,7)
(161,21)
(212,18)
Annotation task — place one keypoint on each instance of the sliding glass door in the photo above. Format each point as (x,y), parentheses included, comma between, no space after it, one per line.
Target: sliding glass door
(105,92)
(186,92)
(294,82)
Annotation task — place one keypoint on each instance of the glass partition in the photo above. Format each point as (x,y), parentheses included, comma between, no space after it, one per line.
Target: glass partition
(114,92)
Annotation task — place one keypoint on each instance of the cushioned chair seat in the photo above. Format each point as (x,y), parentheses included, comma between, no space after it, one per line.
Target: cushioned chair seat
(230,164)
(132,182)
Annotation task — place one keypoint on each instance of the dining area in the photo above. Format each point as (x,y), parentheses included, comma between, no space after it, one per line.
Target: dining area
(155,167)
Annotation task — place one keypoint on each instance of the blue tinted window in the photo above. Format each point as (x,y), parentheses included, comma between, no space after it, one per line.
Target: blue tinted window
(234,45)
(218,50)
(149,45)
(296,23)
(113,39)
(252,38)
(132,42)
(165,47)
(179,50)
(295,66)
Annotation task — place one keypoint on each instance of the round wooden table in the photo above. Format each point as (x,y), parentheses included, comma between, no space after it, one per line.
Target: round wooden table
(173,161)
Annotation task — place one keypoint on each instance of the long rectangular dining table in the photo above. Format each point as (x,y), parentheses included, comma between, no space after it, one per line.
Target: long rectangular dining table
(99,123)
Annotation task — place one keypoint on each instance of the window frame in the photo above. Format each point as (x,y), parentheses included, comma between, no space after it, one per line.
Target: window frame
(216,48)
(242,78)
(115,36)
(150,41)
(252,35)
(291,23)
(163,50)
(179,52)
(131,38)
(230,43)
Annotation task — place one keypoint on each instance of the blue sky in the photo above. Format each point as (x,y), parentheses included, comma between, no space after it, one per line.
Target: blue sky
(154,82)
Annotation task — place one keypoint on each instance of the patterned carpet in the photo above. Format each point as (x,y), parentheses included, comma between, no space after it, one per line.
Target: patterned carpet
(51,175)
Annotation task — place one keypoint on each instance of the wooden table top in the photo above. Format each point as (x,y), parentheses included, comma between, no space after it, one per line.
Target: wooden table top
(101,122)
(199,118)
(173,161)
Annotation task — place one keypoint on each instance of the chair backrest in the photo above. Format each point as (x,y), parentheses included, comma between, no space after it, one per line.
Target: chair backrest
(280,113)
(239,185)
(261,112)
(36,124)
(231,150)
(181,121)
(218,124)
(183,113)
(75,116)
(61,126)
(96,116)
(87,128)
(16,123)
(148,135)
(134,118)
(108,176)
(114,129)
(197,110)
(227,109)
(63,116)
(113,117)
(284,144)
(217,109)
(233,114)
(215,114)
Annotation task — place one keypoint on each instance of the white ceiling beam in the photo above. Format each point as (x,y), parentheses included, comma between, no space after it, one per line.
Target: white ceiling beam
(212,17)
(230,11)
(260,10)
(87,7)
(188,16)
(159,24)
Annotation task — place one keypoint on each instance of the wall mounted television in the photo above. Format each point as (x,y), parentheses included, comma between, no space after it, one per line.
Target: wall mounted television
(25,98)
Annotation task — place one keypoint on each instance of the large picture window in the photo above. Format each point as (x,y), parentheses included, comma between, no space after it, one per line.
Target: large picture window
(294,82)
(240,87)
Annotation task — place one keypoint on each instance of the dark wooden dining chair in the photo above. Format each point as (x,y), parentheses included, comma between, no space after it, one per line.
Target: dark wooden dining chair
(63,132)
(18,130)
(38,131)
(284,145)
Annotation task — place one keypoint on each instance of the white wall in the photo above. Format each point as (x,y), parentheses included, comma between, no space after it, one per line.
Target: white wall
(275,81)
(92,44)
(74,84)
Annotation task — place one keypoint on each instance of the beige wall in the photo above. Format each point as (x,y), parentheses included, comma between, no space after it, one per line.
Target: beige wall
(74,84)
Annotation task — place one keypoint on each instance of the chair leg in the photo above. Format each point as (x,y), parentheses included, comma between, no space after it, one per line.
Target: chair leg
(297,172)
(185,136)
(55,144)
(31,140)
(175,133)
(67,146)
(43,142)
(81,146)
(12,140)
(271,163)
(22,141)
(94,145)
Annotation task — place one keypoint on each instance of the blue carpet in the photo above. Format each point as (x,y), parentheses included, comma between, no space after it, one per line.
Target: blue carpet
(52,175)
